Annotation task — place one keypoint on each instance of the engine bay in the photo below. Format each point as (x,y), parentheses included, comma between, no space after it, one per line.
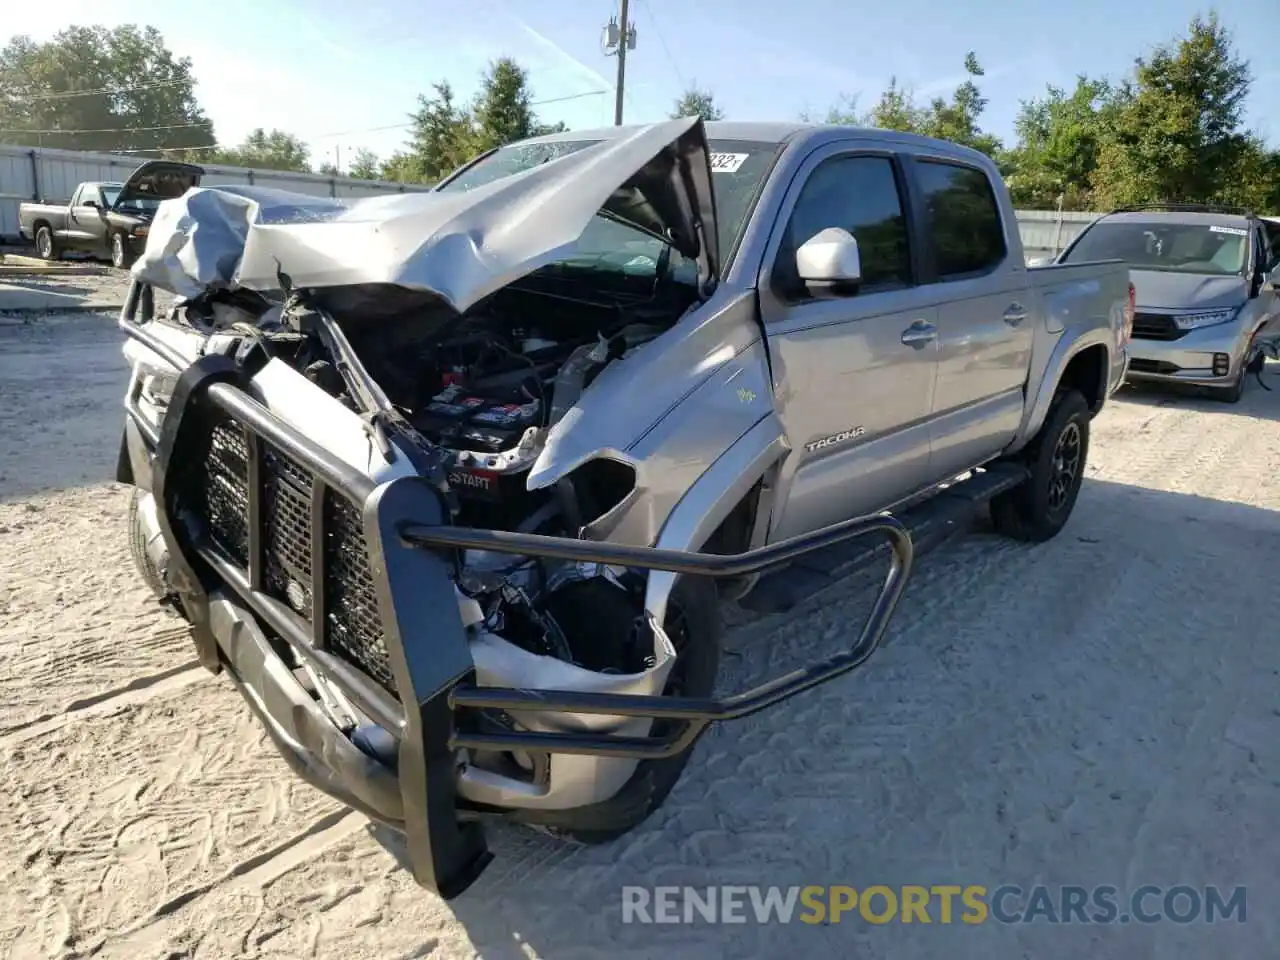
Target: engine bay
(479,390)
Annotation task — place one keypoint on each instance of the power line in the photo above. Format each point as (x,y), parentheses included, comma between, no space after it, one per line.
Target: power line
(318,136)
(171,126)
(110,91)
(219,146)
(662,41)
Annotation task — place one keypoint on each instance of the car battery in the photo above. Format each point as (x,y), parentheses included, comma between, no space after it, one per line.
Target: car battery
(459,419)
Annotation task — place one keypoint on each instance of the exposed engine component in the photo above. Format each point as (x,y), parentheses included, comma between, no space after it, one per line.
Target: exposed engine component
(479,392)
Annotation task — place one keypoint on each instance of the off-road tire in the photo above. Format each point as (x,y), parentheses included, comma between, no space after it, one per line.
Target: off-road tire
(138,549)
(698,602)
(121,257)
(46,246)
(1039,507)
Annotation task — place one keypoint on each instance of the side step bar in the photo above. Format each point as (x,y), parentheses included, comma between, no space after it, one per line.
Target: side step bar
(929,523)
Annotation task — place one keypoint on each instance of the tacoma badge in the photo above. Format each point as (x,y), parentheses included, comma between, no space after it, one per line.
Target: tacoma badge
(851,434)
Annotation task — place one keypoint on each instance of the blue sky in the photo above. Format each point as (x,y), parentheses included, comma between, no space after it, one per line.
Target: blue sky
(332,70)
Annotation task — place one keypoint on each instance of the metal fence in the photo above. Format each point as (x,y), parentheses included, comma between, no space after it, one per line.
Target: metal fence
(51,176)
(1046,232)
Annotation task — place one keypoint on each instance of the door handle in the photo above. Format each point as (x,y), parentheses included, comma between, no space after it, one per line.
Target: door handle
(919,333)
(1015,314)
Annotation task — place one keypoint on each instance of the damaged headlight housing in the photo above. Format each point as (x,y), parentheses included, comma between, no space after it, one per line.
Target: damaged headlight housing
(155,389)
(1207,318)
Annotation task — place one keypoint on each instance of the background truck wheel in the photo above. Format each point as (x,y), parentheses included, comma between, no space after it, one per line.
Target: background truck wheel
(121,258)
(1038,508)
(46,249)
(694,626)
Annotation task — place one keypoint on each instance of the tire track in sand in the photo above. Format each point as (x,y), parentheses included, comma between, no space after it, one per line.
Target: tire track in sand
(129,813)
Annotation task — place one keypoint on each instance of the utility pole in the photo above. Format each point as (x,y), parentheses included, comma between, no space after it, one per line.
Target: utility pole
(623,38)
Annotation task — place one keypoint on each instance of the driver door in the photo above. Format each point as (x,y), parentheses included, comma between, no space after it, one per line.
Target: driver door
(853,374)
(84,222)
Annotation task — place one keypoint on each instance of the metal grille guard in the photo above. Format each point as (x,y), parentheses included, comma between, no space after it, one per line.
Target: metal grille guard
(697,711)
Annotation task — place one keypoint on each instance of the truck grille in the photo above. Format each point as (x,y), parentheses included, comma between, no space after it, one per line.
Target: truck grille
(220,497)
(1155,326)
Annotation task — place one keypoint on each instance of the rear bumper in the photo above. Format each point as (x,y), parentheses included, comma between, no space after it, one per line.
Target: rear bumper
(242,625)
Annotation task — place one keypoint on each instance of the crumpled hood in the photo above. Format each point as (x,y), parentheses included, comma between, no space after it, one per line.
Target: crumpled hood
(1166,290)
(460,246)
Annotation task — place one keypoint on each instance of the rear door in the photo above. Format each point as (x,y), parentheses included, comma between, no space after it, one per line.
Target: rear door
(853,374)
(985,326)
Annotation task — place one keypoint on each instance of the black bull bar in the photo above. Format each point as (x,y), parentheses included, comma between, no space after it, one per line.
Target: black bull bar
(411,547)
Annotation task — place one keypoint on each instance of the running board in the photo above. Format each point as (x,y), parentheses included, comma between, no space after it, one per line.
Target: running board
(929,523)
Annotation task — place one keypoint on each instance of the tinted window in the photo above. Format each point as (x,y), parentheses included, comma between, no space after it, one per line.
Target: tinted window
(1204,248)
(858,194)
(963,217)
(1273,240)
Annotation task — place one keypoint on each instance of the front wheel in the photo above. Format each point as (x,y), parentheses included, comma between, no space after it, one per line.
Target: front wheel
(138,540)
(592,610)
(1038,508)
(120,257)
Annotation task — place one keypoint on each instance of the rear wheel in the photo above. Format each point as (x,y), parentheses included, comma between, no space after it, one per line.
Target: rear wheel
(1039,507)
(595,609)
(46,249)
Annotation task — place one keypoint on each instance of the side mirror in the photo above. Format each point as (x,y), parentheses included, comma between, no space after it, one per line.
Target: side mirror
(1272,279)
(92,203)
(829,262)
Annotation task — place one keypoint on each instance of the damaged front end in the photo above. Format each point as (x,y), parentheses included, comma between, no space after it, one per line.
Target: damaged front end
(351,431)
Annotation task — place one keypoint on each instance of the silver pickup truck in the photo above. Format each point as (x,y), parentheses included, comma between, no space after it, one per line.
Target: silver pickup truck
(452,484)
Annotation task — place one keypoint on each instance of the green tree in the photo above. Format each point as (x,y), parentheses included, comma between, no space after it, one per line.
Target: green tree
(696,102)
(1059,139)
(100,88)
(503,111)
(1177,130)
(441,138)
(276,150)
(328,169)
(955,119)
(364,165)
(445,134)
(895,110)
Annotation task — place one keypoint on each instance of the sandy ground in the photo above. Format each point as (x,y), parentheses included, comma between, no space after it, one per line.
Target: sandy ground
(1103,709)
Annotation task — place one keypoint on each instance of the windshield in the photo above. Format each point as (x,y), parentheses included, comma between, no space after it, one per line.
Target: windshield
(738,168)
(1202,248)
(111,193)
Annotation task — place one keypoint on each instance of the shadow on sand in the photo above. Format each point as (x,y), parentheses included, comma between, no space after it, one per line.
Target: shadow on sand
(1261,399)
(1053,714)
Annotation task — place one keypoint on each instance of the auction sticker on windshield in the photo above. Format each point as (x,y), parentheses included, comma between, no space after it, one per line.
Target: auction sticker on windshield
(1234,231)
(727,162)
